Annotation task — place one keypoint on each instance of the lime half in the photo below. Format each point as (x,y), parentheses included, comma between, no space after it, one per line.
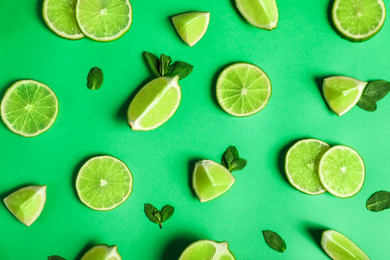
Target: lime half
(243,89)
(29,108)
(341,171)
(338,247)
(191,26)
(27,203)
(102,252)
(358,20)
(207,250)
(104,183)
(260,13)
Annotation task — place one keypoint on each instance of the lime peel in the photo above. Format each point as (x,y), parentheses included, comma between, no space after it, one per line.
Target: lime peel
(191,26)
(207,249)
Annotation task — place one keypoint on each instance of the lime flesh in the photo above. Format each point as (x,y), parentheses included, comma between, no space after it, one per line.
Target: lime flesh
(102,252)
(207,250)
(191,26)
(260,13)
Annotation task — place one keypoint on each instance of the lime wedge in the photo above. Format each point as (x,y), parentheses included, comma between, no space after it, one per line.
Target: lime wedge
(243,89)
(207,250)
(27,203)
(358,20)
(191,26)
(104,183)
(154,104)
(102,252)
(59,15)
(338,247)
(341,171)
(104,20)
(29,108)
(262,14)
(342,93)
(302,165)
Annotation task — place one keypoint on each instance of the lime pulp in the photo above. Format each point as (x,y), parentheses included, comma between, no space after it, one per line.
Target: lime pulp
(191,26)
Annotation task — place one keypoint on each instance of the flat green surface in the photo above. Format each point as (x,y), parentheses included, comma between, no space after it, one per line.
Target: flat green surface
(303,49)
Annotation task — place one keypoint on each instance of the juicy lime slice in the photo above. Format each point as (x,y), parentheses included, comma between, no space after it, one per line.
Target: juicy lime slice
(243,89)
(302,165)
(260,13)
(342,93)
(104,183)
(104,20)
(59,15)
(338,247)
(102,252)
(27,203)
(207,250)
(154,104)
(29,108)
(358,20)
(341,171)
(191,26)
(210,180)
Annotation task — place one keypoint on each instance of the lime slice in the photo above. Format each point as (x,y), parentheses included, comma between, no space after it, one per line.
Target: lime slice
(338,247)
(104,20)
(342,93)
(302,165)
(341,171)
(154,104)
(27,203)
(259,13)
(358,20)
(104,183)
(29,108)
(191,26)
(243,89)
(207,250)
(102,252)
(59,15)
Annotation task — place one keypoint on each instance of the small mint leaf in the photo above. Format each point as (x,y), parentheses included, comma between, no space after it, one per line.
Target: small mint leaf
(378,201)
(224,163)
(166,213)
(367,103)
(229,155)
(180,68)
(165,62)
(152,213)
(95,78)
(237,164)
(55,257)
(377,89)
(274,241)
(153,63)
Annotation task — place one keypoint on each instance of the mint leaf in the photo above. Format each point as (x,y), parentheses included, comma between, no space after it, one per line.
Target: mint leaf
(166,212)
(55,257)
(157,216)
(95,78)
(237,164)
(165,62)
(378,201)
(153,62)
(373,92)
(231,159)
(180,68)
(274,241)
(367,103)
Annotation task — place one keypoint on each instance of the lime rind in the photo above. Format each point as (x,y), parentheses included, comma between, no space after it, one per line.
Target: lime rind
(110,253)
(177,21)
(249,13)
(220,249)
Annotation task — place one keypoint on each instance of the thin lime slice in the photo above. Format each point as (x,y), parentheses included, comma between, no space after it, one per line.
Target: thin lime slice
(29,108)
(102,252)
(338,247)
(302,165)
(104,20)
(154,104)
(191,26)
(207,250)
(341,171)
(59,15)
(27,203)
(358,20)
(342,93)
(260,13)
(243,89)
(104,183)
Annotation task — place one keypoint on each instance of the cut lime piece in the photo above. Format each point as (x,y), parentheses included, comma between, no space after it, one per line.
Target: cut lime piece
(342,93)
(338,247)
(302,165)
(191,26)
(341,171)
(243,89)
(207,250)
(154,104)
(260,13)
(102,252)
(59,15)
(210,180)
(104,20)
(104,183)
(358,20)
(29,108)
(27,203)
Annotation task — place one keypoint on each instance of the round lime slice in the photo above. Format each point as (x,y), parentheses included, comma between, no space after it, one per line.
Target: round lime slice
(27,203)
(341,171)
(207,250)
(191,26)
(262,14)
(302,165)
(102,252)
(358,20)
(243,89)
(104,183)
(29,108)
(104,20)
(59,15)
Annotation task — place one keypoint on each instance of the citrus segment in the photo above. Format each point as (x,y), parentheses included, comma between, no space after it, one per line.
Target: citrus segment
(102,252)
(191,26)
(207,250)
(260,13)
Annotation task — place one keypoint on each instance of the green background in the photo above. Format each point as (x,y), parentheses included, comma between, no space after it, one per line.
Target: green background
(296,56)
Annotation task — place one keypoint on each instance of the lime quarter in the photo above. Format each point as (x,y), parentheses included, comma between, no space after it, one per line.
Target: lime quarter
(262,14)
(191,26)
(207,250)
(102,252)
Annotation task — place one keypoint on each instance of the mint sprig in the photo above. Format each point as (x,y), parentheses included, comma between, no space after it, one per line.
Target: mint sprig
(274,241)
(232,161)
(95,78)
(163,67)
(55,257)
(373,92)
(158,216)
